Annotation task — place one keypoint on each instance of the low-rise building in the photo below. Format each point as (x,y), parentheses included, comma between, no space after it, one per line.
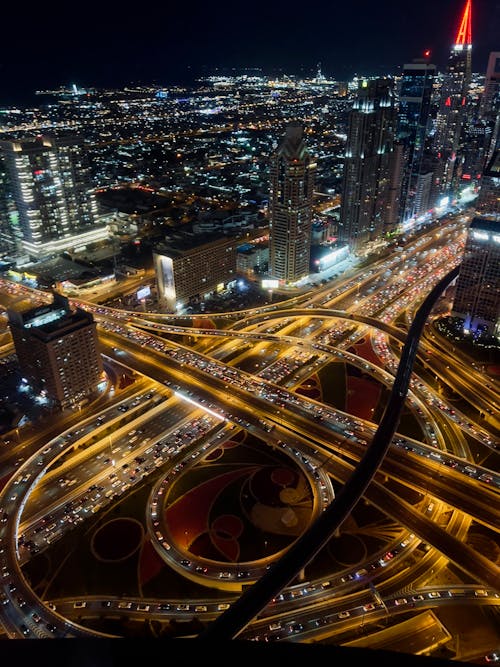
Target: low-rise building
(192,267)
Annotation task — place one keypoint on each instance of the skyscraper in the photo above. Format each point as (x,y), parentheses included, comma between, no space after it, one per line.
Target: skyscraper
(477,294)
(371,178)
(415,96)
(292,174)
(52,208)
(490,101)
(452,107)
(57,350)
(488,202)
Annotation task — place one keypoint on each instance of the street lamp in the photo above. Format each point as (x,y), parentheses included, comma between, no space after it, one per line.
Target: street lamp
(111,451)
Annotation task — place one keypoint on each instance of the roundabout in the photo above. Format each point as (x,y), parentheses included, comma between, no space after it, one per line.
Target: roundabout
(234,511)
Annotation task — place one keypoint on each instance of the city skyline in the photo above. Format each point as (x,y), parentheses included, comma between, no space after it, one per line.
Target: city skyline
(251,328)
(103,47)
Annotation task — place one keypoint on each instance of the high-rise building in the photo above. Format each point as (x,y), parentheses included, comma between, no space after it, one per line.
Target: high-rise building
(490,101)
(452,107)
(415,97)
(292,175)
(49,189)
(491,96)
(477,292)
(58,350)
(372,167)
(488,202)
(477,135)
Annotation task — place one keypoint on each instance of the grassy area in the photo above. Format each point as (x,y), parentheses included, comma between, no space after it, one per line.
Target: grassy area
(410,426)
(333,384)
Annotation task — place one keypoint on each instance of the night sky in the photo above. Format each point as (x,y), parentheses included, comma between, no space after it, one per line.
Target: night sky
(111,44)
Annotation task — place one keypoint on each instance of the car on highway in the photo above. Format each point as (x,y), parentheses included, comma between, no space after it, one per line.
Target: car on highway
(492,657)
(124,605)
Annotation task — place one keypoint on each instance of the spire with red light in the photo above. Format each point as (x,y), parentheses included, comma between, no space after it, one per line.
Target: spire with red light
(464,34)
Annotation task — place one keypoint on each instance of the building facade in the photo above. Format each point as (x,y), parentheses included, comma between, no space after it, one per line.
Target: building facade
(372,167)
(477,292)
(491,95)
(490,101)
(292,174)
(48,188)
(58,350)
(185,271)
(488,201)
(415,98)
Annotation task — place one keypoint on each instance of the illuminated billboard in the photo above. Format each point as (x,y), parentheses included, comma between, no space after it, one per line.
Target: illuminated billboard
(164,268)
(143,293)
(270,284)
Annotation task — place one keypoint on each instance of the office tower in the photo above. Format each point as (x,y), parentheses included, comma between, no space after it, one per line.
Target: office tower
(185,271)
(292,174)
(50,188)
(8,215)
(452,108)
(477,293)
(490,101)
(491,96)
(477,135)
(371,167)
(488,202)
(57,350)
(415,97)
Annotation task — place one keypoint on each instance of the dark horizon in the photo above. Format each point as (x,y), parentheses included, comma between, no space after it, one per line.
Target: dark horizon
(111,47)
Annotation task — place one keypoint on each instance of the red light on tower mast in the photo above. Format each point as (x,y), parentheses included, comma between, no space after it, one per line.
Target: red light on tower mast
(464,34)
(427,53)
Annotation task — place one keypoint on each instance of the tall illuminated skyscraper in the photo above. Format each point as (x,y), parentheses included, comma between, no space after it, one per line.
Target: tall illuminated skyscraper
(477,294)
(292,174)
(52,207)
(415,96)
(372,167)
(452,107)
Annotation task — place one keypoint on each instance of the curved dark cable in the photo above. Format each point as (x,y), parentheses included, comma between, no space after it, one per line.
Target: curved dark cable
(254,599)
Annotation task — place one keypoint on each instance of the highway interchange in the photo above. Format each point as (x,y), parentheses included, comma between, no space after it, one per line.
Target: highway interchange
(206,388)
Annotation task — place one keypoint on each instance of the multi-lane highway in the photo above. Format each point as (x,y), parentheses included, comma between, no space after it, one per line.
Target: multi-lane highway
(246,375)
